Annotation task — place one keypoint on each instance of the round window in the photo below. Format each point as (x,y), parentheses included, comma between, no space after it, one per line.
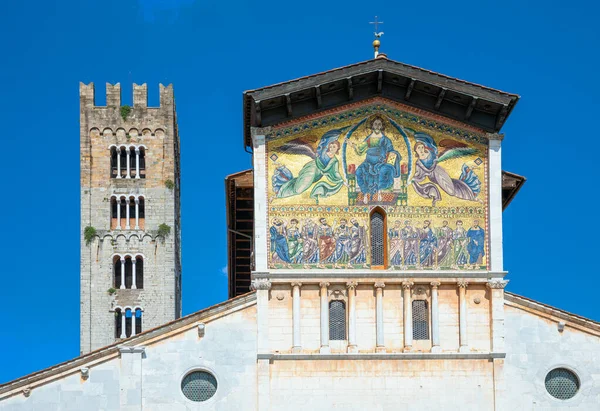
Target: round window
(562,383)
(199,386)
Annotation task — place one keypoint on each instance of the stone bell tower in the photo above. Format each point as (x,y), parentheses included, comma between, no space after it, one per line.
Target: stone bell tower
(130,215)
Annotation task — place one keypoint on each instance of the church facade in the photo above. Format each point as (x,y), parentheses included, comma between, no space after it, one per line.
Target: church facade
(365,270)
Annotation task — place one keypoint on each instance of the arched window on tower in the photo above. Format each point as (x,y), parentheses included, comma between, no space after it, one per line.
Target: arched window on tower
(128,271)
(118,323)
(139,272)
(138,321)
(128,322)
(118,270)
(337,320)
(113,162)
(123,155)
(142,159)
(378,239)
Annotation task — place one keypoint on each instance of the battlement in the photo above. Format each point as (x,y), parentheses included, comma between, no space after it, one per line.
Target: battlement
(113,96)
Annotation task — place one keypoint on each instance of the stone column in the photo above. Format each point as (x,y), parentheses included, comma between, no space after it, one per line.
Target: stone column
(127,207)
(118,213)
(297,346)
(324,318)
(462,301)
(137,163)
(122,273)
(128,151)
(380,344)
(137,213)
(351,286)
(496,288)
(495,208)
(435,318)
(408,326)
(118,162)
(262,287)
(132,322)
(133,272)
(123,315)
(261,204)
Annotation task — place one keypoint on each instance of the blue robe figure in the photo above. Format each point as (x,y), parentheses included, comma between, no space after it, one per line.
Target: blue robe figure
(427,246)
(279,243)
(375,174)
(475,247)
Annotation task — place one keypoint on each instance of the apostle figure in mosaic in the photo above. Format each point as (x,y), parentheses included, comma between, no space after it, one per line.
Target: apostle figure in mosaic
(459,248)
(427,246)
(326,242)
(323,163)
(466,187)
(476,245)
(381,164)
(279,245)
(410,245)
(357,252)
(310,244)
(294,240)
(342,243)
(396,244)
(444,247)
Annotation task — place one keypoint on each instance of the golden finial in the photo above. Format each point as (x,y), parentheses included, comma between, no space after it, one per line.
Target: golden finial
(378,34)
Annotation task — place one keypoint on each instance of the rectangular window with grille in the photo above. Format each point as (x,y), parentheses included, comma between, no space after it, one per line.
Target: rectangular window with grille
(420,320)
(337,320)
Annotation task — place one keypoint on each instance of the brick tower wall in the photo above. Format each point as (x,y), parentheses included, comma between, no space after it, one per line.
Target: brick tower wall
(155,128)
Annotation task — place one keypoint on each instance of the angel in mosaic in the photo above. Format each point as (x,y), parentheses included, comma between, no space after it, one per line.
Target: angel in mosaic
(324,162)
(429,157)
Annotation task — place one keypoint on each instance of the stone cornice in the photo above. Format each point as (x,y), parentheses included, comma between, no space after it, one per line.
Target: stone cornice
(382,356)
(377,275)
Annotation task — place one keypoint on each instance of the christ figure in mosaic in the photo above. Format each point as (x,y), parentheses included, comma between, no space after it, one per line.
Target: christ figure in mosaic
(466,187)
(375,173)
(396,244)
(279,245)
(427,246)
(444,248)
(326,242)
(357,252)
(310,244)
(476,245)
(324,162)
(410,245)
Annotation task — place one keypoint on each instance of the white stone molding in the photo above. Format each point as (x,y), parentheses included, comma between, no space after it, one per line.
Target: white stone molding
(201,330)
(495,202)
(85,372)
(261,234)
(261,284)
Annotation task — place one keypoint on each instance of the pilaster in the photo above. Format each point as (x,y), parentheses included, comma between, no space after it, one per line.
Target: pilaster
(260,198)
(495,205)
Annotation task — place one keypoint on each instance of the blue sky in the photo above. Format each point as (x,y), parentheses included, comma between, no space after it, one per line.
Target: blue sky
(545,51)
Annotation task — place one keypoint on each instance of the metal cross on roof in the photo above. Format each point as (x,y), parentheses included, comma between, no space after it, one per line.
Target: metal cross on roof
(377,23)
